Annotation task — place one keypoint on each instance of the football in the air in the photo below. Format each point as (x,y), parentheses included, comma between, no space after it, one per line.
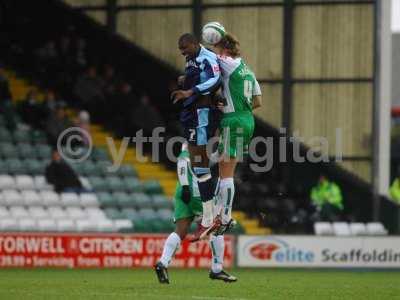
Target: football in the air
(212,33)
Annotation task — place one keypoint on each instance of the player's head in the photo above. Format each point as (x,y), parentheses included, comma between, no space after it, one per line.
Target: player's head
(188,44)
(228,45)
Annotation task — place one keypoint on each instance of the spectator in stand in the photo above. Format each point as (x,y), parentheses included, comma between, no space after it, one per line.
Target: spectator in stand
(83,122)
(47,60)
(50,104)
(80,57)
(124,101)
(145,116)
(62,176)
(109,81)
(327,199)
(6,106)
(57,123)
(31,110)
(89,90)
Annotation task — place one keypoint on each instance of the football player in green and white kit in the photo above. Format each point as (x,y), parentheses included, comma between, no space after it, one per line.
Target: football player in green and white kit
(188,206)
(242,95)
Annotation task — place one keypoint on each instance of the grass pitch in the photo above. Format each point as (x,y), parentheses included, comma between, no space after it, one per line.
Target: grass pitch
(142,284)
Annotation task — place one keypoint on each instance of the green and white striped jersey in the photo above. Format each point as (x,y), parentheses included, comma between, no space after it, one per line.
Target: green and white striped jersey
(239,84)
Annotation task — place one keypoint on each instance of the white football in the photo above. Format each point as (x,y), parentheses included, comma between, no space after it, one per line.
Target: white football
(212,33)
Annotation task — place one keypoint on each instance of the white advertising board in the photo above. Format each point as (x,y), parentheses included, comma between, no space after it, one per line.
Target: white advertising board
(315,251)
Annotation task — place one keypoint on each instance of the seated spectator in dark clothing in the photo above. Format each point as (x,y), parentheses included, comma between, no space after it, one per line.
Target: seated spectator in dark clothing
(145,116)
(109,81)
(89,87)
(62,176)
(50,104)
(6,106)
(57,123)
(89,90)
(31,110)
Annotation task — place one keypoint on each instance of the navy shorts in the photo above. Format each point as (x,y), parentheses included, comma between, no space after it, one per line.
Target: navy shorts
(199,124)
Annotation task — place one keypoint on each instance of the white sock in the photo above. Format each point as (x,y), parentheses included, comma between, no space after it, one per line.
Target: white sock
(217,205)
(207,219)
(217,245)
(171,245)
(227,191)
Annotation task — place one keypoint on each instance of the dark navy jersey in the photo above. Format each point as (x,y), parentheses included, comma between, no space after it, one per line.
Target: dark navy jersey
(202,75)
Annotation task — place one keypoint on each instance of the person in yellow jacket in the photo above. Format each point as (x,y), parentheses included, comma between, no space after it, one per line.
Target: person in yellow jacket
(395,190)
(327,198)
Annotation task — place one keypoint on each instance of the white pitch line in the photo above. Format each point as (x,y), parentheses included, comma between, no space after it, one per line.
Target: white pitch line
(216,298)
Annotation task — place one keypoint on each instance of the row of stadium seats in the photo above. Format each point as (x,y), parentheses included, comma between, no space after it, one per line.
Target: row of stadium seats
(349,229)
(130,185)
(66,225)
(24,182)
(33,166)
(135,200)
(23,136)
(30,198)
(8,150)
(15,166)
(101,168)
(78,213)
(100,184)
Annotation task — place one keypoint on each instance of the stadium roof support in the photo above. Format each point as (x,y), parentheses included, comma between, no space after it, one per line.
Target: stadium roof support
(382,102)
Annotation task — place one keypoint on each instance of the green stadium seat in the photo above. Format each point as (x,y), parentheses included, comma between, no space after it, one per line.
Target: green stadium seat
(106,200)
(102,167)
(5,135)
(163,226)
(16,166)
(113,213)
(132,185)
(22,136)
(238,229)
(27,151)
(126,170)
(152,187)
(193,227)
(115,184)
(124,200)
(160,201)
(3,167)
(157,226)
(129,213)
(8,150)
(43,151)
(36,167)
(142,200)
(147,214)
(142,226)
(99,154)
(77,167)
(39,137)
(165,214)
(89,168)
(98,183)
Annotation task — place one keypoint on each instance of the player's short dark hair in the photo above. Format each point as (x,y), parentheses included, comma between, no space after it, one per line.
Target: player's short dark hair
(188,38)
